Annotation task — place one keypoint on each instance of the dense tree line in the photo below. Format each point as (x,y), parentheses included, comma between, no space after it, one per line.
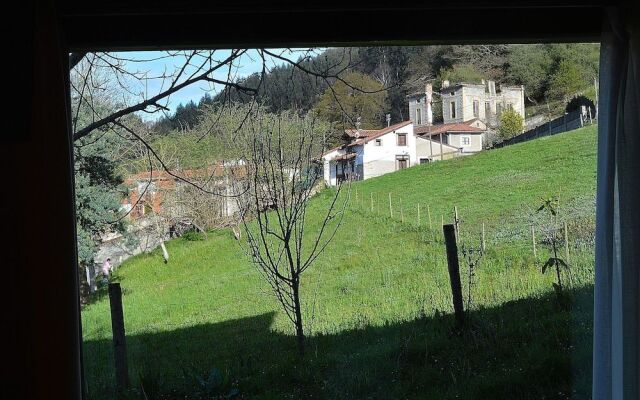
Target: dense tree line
(549,72)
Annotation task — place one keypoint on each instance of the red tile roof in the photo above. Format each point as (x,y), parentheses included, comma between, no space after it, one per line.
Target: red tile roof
(371,134)
(444,128)
(347,156)
(202,173)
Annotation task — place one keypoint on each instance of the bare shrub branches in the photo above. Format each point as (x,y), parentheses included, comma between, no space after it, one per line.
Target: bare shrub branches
(282,173)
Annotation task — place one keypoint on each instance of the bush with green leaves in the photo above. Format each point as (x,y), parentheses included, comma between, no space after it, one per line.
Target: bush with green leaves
(193,235)
(511,124)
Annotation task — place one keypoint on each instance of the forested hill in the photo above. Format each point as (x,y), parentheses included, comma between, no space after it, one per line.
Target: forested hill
(551,73)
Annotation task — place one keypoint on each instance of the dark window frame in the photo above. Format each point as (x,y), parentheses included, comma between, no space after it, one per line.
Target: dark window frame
(402,142)
(141,26)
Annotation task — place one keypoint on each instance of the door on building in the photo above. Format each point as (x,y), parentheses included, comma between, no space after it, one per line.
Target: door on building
(402,162)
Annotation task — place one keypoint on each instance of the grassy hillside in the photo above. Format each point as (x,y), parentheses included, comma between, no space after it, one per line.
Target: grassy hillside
(377,303)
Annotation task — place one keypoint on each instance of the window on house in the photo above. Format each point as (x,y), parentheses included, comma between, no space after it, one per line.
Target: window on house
(476,108)
(465,140)
(418,116)
(487,109)
(424,161)
(453,109)
(498,109)
(509,106)
(402,139)
(378,142)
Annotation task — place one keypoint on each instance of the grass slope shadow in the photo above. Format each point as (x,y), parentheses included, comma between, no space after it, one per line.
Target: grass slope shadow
(524,349)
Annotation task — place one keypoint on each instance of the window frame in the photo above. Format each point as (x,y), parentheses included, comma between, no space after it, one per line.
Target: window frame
(73,21)
(403,135)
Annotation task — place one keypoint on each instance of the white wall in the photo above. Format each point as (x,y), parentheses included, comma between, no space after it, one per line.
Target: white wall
(329,166)
(475,141)
(427,148)
(380,160)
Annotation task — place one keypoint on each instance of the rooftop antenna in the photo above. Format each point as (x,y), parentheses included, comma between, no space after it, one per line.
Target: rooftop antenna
(358,123)
(388,117)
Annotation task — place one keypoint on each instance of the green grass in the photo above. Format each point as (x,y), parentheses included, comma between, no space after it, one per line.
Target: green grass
(377,303)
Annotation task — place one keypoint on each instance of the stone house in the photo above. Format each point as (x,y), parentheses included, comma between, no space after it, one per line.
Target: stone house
(466,101)
(468,111)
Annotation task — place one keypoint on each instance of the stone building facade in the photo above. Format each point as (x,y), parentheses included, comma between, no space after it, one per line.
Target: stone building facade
(467,101)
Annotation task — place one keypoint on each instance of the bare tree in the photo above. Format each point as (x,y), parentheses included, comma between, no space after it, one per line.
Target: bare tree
(121,82)
(282,171)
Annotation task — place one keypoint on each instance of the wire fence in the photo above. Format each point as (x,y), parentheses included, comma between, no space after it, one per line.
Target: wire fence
(567,122)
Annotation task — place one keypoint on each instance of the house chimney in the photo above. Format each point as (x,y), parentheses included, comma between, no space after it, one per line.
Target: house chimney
(388,117)
(445,83)
(428,91)
(492,87)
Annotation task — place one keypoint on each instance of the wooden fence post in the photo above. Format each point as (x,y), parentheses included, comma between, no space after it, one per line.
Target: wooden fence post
(390,207)
(456,221)
(429,215)
(483,243)
(91,277)
(533,241)
(454,272)
(418,214)
(119,343)
(372,202)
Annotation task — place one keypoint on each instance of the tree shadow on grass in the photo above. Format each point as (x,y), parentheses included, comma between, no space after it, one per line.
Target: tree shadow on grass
(524,349)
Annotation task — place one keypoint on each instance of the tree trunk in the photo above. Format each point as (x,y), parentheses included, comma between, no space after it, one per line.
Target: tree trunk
(298,316)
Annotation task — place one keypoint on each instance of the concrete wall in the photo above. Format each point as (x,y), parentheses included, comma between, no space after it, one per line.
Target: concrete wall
(475,141)
(417,102)
(452,95)
(430,149)
(329,169)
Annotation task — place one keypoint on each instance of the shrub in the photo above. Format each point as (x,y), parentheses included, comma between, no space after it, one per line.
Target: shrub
(511,124)
(192,235)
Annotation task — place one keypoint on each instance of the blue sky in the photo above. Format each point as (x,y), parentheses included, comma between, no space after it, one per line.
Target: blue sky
(155,64)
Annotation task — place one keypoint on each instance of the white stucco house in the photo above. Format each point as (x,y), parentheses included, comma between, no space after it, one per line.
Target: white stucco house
(375,152)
